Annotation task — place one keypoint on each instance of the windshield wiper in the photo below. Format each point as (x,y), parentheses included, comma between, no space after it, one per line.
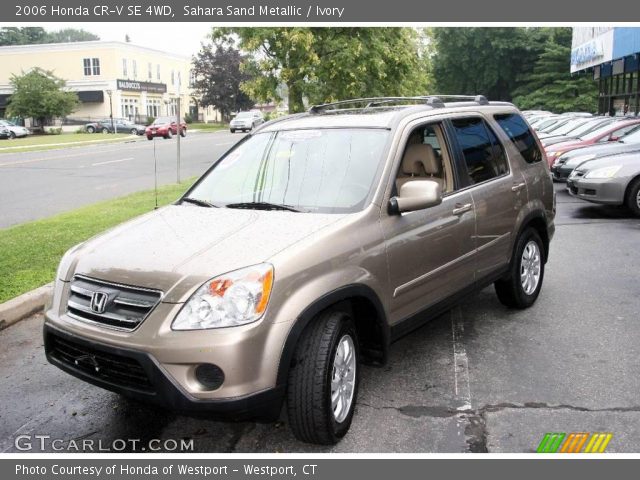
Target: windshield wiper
(263,206)
(197,201)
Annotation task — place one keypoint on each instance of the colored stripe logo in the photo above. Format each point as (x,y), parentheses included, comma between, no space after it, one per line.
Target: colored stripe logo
(580,442)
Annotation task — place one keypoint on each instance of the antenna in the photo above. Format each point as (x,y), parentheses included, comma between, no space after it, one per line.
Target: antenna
(155,172)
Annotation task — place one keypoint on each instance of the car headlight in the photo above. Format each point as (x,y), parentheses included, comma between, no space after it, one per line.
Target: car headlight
(605,172)
(235,298)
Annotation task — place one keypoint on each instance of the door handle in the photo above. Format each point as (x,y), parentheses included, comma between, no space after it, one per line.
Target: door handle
(518,186)
(460,208)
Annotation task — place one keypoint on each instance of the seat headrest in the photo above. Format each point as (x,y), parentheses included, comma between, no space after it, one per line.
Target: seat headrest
(420,159)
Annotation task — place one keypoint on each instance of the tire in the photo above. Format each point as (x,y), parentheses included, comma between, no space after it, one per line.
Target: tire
(134,131)
(632,200)
(169,134)
(12,135)
(513,291)
(91,129)
(183,132)
(105,130)
(149,137)
(310,411)
(232,130)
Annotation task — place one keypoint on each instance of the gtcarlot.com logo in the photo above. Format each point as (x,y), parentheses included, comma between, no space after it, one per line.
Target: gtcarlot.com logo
(44,443)
(580,442)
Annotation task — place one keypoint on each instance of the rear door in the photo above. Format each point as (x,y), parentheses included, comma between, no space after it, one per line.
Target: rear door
(498,193)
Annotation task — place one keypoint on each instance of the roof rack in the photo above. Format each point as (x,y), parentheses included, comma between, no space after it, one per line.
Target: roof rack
(435,101)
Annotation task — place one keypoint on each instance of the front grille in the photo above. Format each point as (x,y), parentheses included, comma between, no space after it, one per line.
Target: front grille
(116,306)
(108,367)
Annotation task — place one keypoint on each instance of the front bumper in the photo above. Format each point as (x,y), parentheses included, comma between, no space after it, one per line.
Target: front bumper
(604,191)
(561,173)
(139,375)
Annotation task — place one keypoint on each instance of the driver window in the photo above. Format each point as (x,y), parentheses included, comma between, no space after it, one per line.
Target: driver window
(426,157)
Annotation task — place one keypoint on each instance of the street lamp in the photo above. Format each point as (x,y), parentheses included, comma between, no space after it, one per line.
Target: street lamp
(110,93)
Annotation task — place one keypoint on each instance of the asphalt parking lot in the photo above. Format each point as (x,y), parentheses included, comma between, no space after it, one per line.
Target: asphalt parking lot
(479,378)
(37,185)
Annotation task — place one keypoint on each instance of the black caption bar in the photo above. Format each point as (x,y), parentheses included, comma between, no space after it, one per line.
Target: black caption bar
(315,469)
(330,11)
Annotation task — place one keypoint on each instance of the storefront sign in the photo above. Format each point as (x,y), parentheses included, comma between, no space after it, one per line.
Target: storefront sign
(135,86)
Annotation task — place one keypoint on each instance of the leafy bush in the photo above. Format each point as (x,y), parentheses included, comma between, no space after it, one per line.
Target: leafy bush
(54,131)
(188,118)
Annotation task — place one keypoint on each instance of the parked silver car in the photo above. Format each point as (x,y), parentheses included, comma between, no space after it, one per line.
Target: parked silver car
(14,130)
(612,180)
(246,121)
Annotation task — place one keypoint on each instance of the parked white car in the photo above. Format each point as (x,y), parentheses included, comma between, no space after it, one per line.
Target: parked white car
(14,130)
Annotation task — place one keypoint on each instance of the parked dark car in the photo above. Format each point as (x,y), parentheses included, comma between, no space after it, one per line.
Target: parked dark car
(165,127)
(120,125)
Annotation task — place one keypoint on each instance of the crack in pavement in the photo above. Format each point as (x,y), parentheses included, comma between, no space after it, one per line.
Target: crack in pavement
(476,426)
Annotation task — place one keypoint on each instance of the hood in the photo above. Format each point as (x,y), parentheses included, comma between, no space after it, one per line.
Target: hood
(178,247)
(625,159)
(611,148)
(564,145)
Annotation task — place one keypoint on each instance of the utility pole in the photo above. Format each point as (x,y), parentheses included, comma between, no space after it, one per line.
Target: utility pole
(179,130)
(110,93)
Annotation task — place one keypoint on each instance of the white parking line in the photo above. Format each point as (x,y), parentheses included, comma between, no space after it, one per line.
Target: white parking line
(111,161)
(460,361)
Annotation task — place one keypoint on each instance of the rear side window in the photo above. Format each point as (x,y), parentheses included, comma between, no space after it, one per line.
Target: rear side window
(520,134)
(483,154)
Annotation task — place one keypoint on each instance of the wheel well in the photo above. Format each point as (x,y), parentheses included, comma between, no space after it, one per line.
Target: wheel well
(369,326)
(629,185)
(540,226)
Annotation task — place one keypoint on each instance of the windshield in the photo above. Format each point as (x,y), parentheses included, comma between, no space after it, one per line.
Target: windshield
(567,127)
(633,137)
(6,123)
(590,126)
(244,115)
(324,170)
(599,132)
(162,120)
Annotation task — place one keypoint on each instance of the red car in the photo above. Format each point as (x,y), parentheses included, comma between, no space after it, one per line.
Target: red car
(165,127)
(611,132)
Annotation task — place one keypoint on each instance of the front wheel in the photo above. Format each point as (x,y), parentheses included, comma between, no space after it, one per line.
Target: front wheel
(183,132)
(91,129)
(633,197)
(323,382)
(105,130)
(232,130)
(12,135)
(149,137)
(169,134)
(526,272)
(134,131)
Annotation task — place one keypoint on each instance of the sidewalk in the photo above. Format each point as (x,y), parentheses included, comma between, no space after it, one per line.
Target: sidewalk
(45,146)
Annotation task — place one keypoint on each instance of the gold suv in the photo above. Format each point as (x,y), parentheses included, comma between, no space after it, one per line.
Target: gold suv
(305,250)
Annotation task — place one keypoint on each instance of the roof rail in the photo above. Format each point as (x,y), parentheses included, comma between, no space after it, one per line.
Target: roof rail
(434,101)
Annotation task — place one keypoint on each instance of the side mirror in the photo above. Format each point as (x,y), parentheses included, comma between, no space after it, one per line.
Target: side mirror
(614,138)
(416,195)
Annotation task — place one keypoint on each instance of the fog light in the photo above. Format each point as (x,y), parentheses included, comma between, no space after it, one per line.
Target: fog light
(210,376)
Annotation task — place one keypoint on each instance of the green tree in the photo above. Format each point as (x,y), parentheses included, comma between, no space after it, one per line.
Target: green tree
(323,64)
(218,75)
(482,60)
(38,35)
(40,95)
(550,86)
(70,35)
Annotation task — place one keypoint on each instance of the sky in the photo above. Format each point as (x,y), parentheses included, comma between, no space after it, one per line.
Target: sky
(181,38)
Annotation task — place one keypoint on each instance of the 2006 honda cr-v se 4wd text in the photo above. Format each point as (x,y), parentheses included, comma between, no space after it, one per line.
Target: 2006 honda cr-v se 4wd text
(303,252)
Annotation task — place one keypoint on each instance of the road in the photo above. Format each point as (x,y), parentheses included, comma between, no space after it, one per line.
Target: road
(568,364)
(37,185)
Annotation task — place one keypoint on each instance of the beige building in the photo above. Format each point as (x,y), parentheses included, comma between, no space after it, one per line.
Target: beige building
(136,82)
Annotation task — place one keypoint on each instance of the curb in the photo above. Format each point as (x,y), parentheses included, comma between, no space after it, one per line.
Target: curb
(25,305)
